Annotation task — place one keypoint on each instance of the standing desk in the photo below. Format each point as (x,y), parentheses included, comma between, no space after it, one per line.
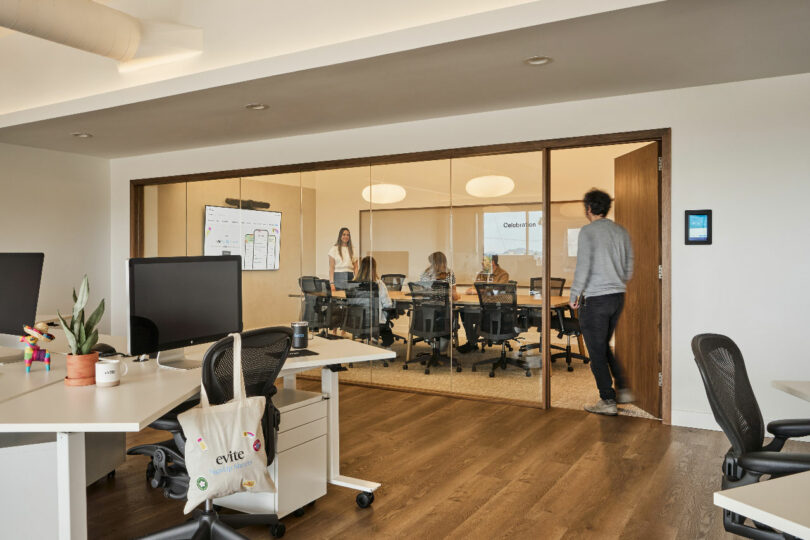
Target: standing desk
(145,394)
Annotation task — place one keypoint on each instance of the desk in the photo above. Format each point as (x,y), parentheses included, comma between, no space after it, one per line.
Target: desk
(145,393)
(780,503)
(800,389)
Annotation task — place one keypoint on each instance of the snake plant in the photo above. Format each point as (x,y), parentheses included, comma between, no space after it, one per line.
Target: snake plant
(81,335)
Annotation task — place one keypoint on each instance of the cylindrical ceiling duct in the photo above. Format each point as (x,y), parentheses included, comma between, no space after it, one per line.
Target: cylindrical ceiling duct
(82,24)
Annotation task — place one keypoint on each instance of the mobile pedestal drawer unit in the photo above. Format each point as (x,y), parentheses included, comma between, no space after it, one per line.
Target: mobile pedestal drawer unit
(299,468)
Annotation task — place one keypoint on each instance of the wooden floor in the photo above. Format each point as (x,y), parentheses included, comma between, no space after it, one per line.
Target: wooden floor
(454,468)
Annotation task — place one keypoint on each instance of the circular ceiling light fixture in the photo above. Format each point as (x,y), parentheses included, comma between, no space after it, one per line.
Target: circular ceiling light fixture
(537,60)
(257,106)
(81,135)
(383,193)
(490,186)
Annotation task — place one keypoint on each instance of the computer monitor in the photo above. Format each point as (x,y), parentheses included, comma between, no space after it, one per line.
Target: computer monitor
(20,277)
(176,302)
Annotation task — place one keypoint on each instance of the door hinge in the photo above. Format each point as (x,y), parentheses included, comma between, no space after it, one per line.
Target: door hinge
(660,379)
(660,272)
(660,163)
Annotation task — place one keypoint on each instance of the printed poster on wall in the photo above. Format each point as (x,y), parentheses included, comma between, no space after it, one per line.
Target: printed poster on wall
(253,234)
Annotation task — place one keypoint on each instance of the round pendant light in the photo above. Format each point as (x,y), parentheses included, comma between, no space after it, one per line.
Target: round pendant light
(490,186)
(383,193)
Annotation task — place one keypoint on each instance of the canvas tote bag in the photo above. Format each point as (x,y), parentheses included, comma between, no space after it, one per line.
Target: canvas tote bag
(224,443)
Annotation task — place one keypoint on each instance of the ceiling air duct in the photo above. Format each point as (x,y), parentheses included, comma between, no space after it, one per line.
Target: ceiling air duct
(82,24)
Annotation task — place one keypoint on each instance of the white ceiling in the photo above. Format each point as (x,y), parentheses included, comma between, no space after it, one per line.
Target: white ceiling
(673,44)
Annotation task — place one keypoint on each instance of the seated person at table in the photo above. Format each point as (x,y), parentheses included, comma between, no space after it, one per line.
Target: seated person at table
(437,271)
(491,272)
(367,274)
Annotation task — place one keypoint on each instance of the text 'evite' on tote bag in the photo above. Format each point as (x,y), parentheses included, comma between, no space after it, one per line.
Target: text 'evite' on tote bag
(224,443)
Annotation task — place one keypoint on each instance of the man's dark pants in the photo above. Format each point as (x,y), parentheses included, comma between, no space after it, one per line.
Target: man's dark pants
(597,320)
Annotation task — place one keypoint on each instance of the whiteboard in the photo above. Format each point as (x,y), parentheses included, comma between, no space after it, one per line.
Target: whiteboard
(253,234)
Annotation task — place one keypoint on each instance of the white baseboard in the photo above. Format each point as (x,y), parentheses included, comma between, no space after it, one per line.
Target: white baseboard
(694,419)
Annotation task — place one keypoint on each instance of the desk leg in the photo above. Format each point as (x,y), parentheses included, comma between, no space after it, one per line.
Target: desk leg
(329,386)
(70,486)
(289,381)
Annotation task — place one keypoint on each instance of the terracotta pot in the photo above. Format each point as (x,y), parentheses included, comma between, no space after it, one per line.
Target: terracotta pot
(81,369)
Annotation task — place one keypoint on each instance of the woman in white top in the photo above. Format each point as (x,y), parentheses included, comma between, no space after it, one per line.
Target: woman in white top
(342,262)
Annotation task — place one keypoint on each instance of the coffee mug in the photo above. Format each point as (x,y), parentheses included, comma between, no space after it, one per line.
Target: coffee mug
(108,372)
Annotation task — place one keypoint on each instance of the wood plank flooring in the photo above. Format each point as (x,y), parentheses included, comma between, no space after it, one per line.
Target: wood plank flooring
(454,468)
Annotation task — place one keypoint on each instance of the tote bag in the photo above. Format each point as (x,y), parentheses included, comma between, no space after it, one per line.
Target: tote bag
(224,443)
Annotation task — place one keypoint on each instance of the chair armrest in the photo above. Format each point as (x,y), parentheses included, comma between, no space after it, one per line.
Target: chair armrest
(775,463)
(790,428)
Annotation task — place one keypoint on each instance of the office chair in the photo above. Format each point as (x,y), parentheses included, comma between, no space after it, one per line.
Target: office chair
(317,306)
(499,322)
(264,352)
(430,320)
(394,282)
(362,317)
(533,316)
(735,408)
(567,326)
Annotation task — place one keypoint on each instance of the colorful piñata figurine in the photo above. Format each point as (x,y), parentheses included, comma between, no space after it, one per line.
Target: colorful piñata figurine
(33,353)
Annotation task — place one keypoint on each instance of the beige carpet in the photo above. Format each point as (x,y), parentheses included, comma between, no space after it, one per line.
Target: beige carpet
(570,390)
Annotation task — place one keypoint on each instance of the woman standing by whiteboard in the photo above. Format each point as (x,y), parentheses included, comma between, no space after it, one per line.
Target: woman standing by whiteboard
(342,262)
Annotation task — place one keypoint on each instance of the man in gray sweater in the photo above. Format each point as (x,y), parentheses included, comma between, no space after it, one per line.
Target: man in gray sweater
(604,266)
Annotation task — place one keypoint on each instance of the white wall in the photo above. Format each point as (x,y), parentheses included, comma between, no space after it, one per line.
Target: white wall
(739,149)
(58,203)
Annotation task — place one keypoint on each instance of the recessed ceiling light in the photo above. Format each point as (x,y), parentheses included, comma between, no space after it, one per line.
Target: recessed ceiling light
(257,106)
(81,135)
(537,60)
(490,186)
(383,193)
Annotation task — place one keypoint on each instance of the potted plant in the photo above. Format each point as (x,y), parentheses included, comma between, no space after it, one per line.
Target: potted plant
(81,336)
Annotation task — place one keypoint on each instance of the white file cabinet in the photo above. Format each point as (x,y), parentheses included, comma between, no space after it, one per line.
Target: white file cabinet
(299,468)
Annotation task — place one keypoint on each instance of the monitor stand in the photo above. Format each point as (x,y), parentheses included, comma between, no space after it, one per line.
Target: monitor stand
(178,359)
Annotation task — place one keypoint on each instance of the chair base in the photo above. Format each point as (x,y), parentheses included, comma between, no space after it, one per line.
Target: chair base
(209,524)
(502,361)
(568,355)
(435,360)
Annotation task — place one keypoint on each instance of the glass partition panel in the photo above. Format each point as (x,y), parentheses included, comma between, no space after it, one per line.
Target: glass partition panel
(165,220)
(498,254)
(272,237)
(407,232)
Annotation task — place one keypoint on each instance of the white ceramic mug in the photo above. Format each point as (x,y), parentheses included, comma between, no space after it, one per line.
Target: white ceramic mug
(108,372)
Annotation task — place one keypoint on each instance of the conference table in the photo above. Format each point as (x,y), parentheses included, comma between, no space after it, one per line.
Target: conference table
(39,402)
(782,503)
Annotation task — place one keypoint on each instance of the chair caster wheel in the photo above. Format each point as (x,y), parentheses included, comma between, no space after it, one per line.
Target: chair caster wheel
(570,368)
(365,499)
(553,360)
(150,471)
(491,374)
(111,474)
(385,364)
(216,507)
(277,530)
(472,368)
(300,512)
(458,369)
(427,371)
(586,361)
(528,373)
(404,366)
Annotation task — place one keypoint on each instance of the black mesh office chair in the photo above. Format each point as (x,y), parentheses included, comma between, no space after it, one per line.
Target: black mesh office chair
(317,306)
(430,320)
(499,322)
(533,316)
(562,320)
(264,352)
(362,318)
(394,282)
(735,408)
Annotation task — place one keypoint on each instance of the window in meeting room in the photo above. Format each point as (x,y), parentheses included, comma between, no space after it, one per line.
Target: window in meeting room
(613,169)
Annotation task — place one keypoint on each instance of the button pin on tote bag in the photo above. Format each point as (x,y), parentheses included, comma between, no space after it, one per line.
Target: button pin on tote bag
(226,457)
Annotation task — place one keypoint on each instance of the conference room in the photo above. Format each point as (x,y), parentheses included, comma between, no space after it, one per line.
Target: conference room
(481,215)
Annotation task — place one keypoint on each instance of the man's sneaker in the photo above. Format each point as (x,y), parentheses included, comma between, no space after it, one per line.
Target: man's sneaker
(603,406)
(625,395)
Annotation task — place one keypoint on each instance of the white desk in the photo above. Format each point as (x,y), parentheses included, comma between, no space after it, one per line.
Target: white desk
(800,389)
(781,503)
(145,394)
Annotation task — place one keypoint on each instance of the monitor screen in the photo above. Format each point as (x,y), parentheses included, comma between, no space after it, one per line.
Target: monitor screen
(19,290)
(180,301)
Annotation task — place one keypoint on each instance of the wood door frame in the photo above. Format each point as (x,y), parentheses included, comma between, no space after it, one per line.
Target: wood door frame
(662,135)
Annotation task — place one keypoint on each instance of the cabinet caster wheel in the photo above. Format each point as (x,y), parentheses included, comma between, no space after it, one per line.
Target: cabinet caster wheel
(277,530)
(111,474)
(216,508)
(300,512)
(404,366)
(365,499)
(492,374)
(427,371)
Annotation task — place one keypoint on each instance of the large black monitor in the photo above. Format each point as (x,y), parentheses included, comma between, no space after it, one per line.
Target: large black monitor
(175,302)
(20,277)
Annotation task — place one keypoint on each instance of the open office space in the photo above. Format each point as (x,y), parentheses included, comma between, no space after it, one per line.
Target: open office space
(454,144)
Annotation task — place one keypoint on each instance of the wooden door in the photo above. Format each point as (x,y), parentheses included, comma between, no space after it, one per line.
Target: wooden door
(638,335)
